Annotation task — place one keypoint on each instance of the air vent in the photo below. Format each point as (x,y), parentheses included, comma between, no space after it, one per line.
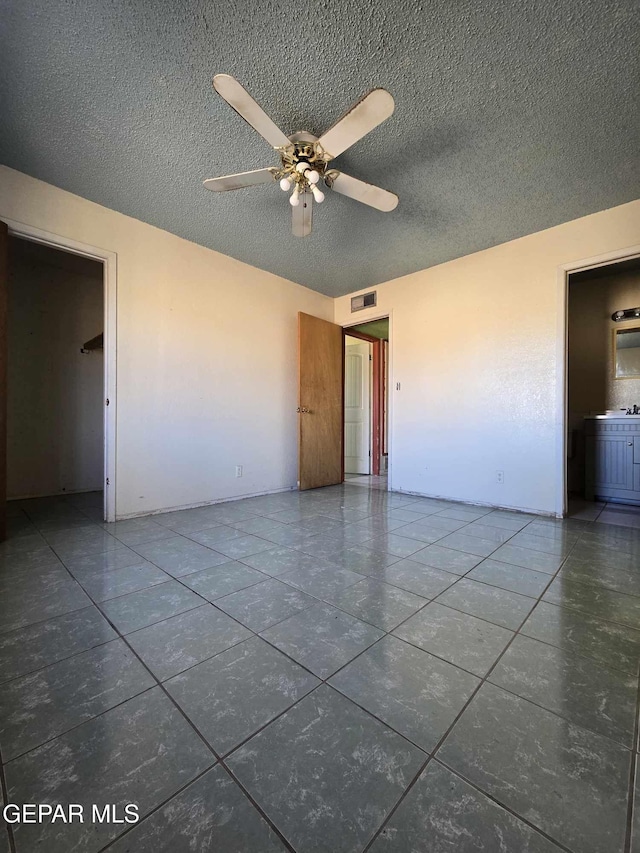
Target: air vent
(366,300)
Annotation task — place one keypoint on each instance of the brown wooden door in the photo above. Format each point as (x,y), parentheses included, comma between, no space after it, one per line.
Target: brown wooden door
(4,274)
(320,403)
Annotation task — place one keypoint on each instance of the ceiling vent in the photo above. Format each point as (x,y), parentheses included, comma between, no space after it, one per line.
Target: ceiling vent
(367,300)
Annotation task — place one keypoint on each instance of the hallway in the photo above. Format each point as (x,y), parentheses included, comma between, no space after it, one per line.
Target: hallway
(345,669)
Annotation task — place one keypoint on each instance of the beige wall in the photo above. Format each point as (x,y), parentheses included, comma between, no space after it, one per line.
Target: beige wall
(207,353)
(474,344)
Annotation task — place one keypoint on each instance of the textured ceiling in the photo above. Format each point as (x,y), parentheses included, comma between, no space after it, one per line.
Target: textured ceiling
(510,117)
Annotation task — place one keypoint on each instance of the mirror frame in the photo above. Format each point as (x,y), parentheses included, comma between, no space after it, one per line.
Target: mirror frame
(614,361)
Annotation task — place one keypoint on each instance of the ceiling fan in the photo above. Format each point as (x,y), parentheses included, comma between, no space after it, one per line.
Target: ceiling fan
(304,158)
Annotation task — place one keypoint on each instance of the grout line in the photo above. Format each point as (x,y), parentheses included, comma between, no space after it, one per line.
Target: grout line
(473,694)
(633,773)
(325,681)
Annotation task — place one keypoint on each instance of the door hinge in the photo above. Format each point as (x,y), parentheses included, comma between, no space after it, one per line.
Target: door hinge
(106,402)
(108,483)
(370,357)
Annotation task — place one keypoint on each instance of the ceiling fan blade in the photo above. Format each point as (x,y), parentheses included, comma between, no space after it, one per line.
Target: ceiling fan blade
(302,217)
(242,179)
(241,101)
(370,111)
(361,191)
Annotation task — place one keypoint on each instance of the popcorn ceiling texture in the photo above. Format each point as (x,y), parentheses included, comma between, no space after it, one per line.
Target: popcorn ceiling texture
(511,117)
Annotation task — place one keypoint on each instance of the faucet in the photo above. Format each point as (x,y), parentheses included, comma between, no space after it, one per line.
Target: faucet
(635,411)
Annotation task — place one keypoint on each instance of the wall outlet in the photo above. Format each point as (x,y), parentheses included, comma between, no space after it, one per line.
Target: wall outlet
(238,470)
(500,477)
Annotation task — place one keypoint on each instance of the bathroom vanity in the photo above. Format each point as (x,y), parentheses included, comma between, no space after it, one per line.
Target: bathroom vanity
(612,458)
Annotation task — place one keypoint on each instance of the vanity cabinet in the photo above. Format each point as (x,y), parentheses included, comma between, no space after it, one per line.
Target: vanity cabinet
(612,459)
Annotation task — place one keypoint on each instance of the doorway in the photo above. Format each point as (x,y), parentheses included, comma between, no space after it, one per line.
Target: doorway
(600,460)
(88,416)
(55,430)
(366,357)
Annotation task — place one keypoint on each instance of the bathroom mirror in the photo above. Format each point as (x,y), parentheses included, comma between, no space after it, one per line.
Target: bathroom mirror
(626,352)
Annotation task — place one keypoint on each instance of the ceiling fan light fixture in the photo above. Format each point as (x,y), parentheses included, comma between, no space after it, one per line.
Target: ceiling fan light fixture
(294,199)
(313,176)
(285,185)
(317,194)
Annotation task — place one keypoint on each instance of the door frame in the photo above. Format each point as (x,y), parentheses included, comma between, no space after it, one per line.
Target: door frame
(562,358)
(109,266)
(374,403)
(377,390)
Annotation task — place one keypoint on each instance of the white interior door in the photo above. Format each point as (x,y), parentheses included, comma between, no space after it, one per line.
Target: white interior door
(357,406)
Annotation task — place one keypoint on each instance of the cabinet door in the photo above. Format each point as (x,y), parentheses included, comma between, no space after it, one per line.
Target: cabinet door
(612,461)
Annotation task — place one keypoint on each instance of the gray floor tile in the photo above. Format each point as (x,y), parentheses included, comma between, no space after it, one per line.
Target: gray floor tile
(243,546)
(198,819)
(140,752)
(322,638)
(180,556)
(456,562)
(424,531)
(40,645)
(257,526)
(363,559)
(70,548)
(509,520)
(223,580)
(444,814)
(469,544)
(625,579)
(393,543)
(559,547)
(464,513)
(122,581)
(481,530)
(177,643)
(601,602)
(117,558)
(136,531)
(277,561)
(600,699)
(417,578)
(569,782)
(139,609)
(611,645)
(212,535)
(188,521)
(378,603)
(264,604)
(320,581)
(40,706)
(17,563)
(26,605)
(500,606)
(326,772)
(459,638)
(514,578)
(528,559)
(412,691)
(232,695)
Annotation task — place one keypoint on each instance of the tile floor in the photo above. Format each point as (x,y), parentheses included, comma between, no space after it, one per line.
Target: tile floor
(340,670)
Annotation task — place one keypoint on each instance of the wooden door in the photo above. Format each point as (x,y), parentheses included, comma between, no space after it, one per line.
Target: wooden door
(320,403)
(357,407)
(4,274)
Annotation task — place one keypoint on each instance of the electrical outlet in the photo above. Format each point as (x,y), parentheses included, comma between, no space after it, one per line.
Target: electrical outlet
(238,470)
(500,477)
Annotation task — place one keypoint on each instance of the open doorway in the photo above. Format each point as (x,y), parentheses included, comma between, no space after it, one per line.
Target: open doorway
(603,391)
(366,357)
(56,374)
